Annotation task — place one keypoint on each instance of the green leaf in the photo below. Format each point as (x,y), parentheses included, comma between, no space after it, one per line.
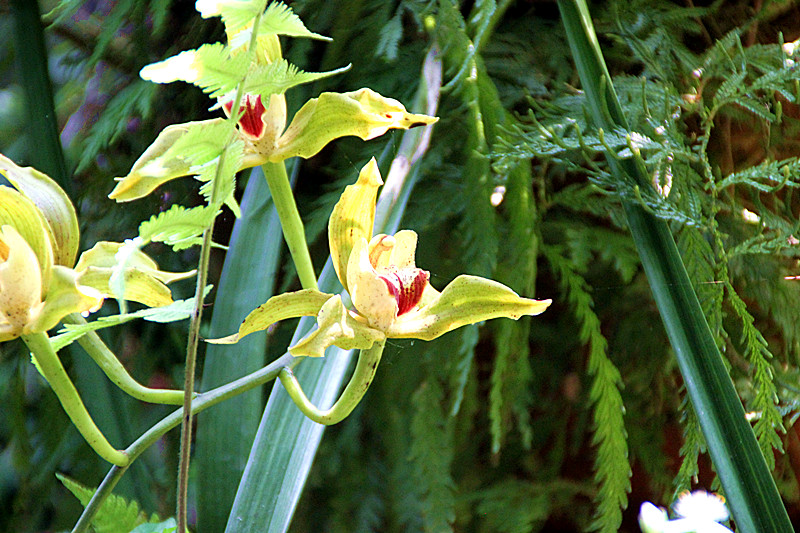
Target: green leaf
(116,515)
(178,226)
(225,433)
(279,19)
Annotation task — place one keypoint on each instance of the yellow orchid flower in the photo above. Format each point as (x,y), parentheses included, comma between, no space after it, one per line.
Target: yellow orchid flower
(262,124)
(391,297)
(40,284)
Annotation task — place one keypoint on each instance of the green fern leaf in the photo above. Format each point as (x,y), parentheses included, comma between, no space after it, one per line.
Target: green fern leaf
(116,514)
(237,15)
(279,76)
(221,71)
(765,403)
(178,226)
(279,19)
(612,469)
(389,40)
(432,454)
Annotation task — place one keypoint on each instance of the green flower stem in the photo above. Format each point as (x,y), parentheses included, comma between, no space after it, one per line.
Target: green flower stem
(358,385)
(201,402)
(116,372)
(749,488)
(182,505)
(292,224)
(53,371)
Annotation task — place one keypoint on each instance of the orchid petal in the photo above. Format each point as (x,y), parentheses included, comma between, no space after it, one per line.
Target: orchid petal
(181,67)
(54,205)
(363,113)
(466,300)
(353,217)
(159,164)
(67,294)
(307,302)
(19,212)
(144,282)
(20,283)
(369,293)
(336,326)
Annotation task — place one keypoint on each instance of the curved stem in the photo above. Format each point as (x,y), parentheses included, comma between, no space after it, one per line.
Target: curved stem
(116,372)
(356,388)
(53,371)
(151,436)
(291,223)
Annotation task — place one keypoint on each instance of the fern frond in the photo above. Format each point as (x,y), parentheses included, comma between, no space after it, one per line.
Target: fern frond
(116,514)
(765,402)
(178,226)
(693,445)
(133,100)
(612,469)
(221,71)
(279,76)
(279,19)
(432,455)
(389,40)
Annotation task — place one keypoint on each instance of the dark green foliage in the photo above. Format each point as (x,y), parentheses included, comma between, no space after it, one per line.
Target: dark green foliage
(543,424)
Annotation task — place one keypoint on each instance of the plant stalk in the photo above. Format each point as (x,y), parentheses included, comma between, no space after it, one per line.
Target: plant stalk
(291,223)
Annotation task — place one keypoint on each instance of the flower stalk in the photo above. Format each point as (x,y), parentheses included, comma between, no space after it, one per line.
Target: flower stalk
(53,372)
(291,223)
(364,373)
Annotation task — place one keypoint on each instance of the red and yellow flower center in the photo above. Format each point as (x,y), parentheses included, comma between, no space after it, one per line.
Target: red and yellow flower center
(251,123)
(406,286)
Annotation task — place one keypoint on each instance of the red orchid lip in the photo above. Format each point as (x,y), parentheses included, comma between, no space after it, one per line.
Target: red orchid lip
(251,123)
(406,286)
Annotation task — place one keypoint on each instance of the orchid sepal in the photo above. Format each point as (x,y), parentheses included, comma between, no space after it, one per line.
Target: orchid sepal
(144,281)
(353,217)
(19,212)
(20,270)
(160,163)
(306,302)
(363,113)
(67,294)
(465,300)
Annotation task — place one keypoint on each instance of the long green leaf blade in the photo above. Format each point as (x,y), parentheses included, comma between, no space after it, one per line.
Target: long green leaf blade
(751,492)
(224,433)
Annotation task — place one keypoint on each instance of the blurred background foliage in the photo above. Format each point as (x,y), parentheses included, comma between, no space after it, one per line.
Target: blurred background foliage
(542,425)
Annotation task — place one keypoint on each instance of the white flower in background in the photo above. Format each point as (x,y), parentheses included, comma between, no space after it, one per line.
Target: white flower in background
(696,512)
